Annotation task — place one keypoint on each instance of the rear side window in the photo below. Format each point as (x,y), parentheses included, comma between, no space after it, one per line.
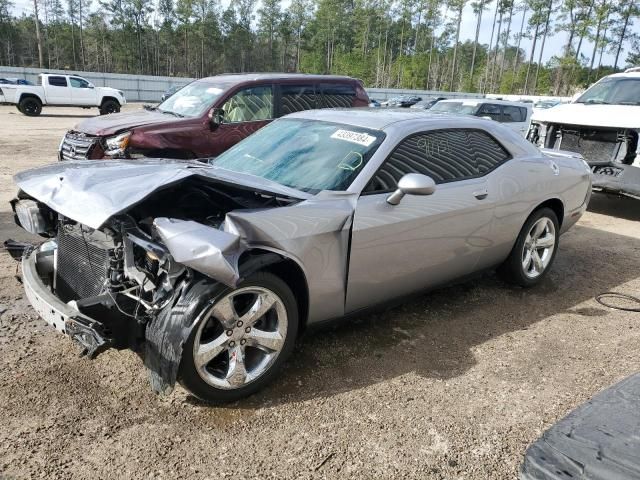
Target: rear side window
(335,96)
(514,114)
(488,152)
(58,81)
(444,155)
(295,98)
(490,110)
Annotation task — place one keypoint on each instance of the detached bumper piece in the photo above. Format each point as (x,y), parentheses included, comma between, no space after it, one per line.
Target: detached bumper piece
(597,441)
(90,334)
(617,178)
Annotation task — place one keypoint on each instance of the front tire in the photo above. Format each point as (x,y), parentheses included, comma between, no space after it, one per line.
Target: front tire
(534,251)
(109,106)
(241,341)
(30,106)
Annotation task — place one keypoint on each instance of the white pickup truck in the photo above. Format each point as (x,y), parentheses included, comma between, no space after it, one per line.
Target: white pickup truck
(61,91)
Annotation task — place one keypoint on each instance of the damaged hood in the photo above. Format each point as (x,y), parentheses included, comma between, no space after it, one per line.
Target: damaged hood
(118,122)
(93,192)
(611,116)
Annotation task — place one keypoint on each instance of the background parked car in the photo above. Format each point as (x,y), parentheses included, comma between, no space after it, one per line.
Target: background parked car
(206,117)
(403,101)
(170,91)
(514,115)
(427,103)
(62,91)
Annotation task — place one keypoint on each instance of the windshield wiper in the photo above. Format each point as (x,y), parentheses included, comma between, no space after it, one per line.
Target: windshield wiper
(171,113)
(594,102)
(628,103)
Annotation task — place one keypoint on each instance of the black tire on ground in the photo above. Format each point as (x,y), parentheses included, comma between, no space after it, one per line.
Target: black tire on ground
(109,106)
(30,106)
(512,270)
(188,374)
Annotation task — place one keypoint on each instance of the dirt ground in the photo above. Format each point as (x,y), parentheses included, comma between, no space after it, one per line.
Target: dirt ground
(452,385)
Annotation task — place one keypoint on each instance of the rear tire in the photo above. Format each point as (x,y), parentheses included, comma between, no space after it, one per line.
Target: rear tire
(249,350)
(109,106)
(30,106)
(534,251)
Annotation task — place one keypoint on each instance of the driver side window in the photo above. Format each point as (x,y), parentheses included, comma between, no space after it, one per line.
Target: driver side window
(249,105)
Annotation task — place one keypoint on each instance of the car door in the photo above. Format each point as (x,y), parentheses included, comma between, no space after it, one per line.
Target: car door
(424,240)
(57,90)
(82,92)
(246,111)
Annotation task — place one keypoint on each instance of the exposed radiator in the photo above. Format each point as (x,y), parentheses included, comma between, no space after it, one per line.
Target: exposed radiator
(82,265)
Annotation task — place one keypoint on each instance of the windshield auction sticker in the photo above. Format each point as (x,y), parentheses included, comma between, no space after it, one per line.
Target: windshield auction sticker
(354,137)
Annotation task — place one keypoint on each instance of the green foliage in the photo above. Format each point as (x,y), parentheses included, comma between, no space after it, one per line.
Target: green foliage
(386,43)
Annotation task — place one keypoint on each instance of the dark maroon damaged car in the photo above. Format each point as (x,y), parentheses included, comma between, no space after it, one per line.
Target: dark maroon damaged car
(206,117)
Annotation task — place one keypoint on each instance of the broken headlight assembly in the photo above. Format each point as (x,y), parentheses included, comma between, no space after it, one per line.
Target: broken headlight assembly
(117,144)
(33,216)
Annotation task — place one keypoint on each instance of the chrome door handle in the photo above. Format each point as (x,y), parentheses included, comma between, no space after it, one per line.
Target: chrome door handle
(481,194)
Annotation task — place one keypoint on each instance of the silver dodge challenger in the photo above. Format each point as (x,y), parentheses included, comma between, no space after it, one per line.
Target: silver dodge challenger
(211,270)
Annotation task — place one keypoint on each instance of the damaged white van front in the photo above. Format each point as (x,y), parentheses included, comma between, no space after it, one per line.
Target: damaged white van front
(602,125)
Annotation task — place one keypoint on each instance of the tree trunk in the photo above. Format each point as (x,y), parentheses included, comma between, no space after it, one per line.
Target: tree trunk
(82,56)
(495,56)
(544,39)
(533,50)
(583,30)
(455,48)
(516,59)
(623,34)
(475,42)
(38,37)
(493,29)
(505,45)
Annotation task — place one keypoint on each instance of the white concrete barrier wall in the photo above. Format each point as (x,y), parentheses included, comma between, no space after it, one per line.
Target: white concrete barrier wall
(147,88)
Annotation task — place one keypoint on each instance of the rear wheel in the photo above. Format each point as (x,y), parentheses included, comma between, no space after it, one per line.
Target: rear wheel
(534,251)
(109,106)
(30,106)
(241,341)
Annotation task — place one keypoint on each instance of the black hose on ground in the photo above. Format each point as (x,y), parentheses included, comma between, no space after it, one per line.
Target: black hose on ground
(603,299)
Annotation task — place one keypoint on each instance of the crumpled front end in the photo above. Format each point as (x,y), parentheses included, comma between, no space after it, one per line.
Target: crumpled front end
(123,253)
(612,153)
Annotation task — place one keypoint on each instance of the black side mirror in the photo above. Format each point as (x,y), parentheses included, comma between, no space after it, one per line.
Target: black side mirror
(216,117)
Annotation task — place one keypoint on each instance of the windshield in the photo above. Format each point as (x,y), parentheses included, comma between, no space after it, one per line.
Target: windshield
(613,91)
(455,107)
(304,154)
(192,100)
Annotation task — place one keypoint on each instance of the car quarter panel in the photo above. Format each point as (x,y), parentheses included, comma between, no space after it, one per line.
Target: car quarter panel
(314,234)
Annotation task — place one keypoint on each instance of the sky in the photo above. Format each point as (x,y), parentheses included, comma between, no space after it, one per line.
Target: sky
(553,46)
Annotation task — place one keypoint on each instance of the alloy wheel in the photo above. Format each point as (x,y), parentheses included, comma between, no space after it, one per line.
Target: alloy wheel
(538,248)
(240,337)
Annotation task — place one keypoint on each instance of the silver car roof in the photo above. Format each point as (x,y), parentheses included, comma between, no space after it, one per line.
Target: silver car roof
(383,118)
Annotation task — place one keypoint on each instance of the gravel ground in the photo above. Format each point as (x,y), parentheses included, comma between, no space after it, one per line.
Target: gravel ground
(453,384)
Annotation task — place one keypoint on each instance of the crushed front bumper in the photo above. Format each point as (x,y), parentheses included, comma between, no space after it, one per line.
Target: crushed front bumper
(617,178)
(88,333)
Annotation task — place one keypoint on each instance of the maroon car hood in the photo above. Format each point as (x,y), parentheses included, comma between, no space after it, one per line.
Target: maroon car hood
(118,122)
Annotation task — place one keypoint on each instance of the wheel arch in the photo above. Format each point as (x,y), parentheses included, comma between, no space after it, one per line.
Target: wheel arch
(30,95)
(556,205)
(283,266)
(108,97)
